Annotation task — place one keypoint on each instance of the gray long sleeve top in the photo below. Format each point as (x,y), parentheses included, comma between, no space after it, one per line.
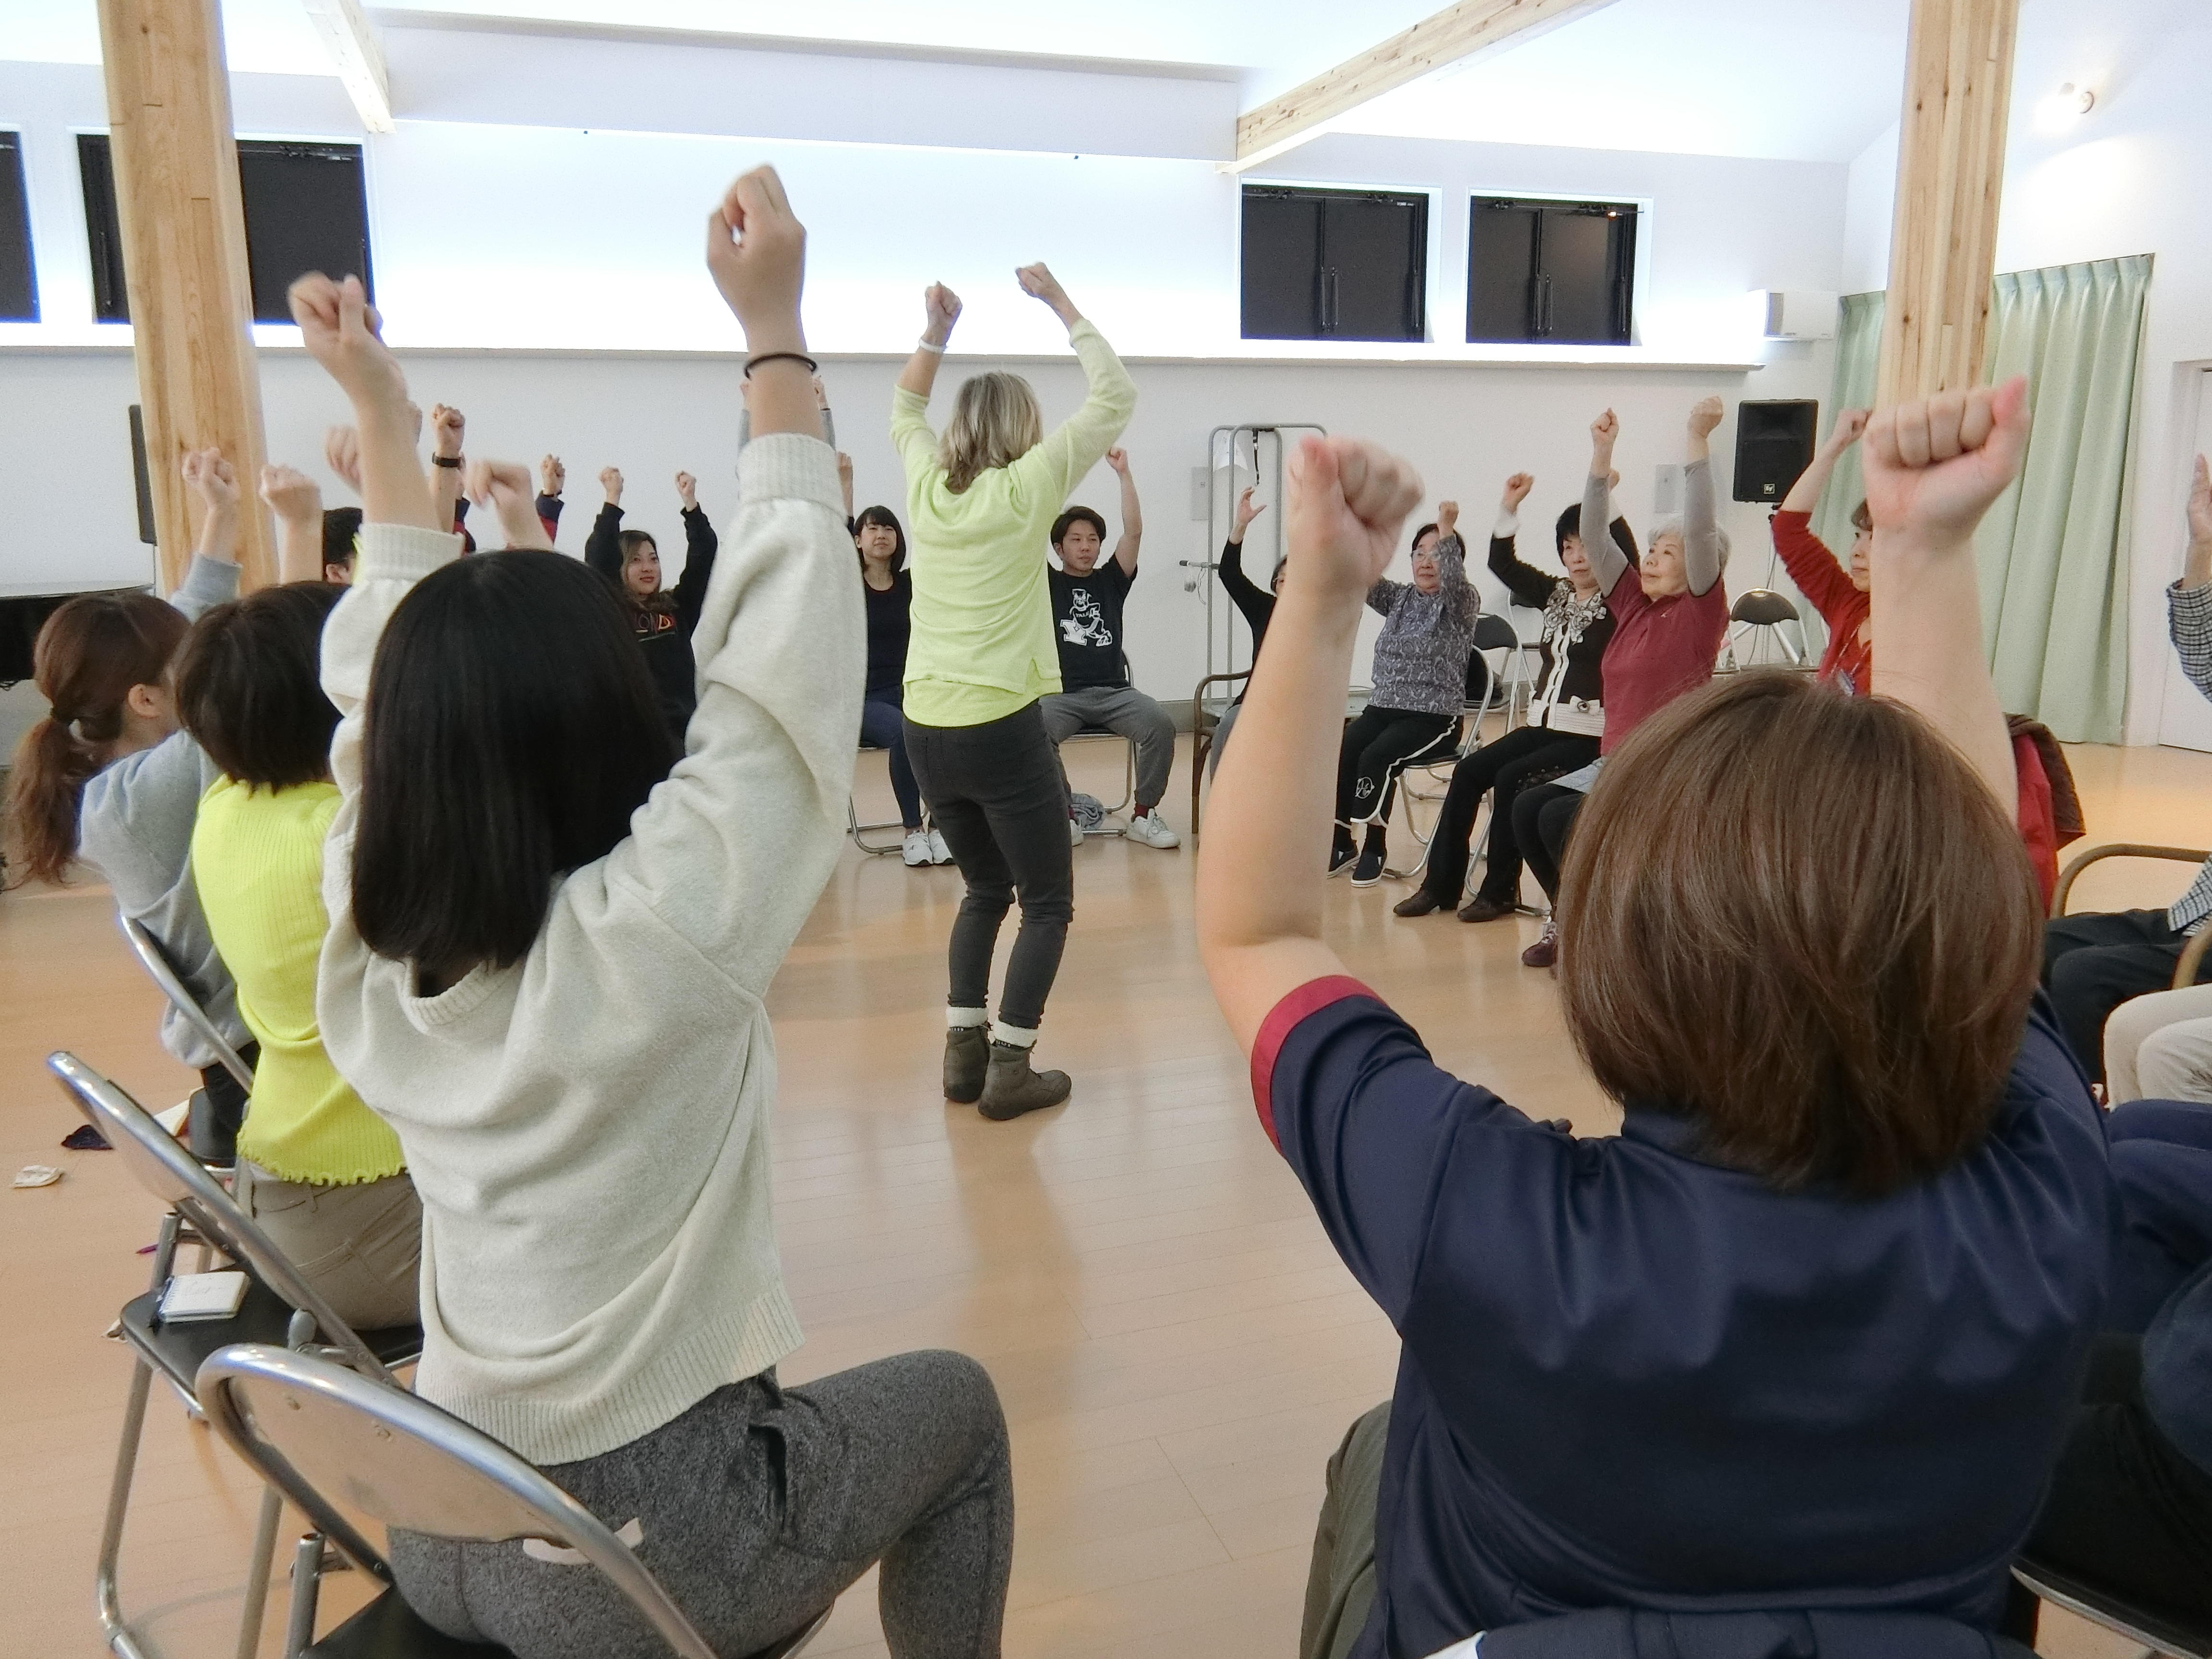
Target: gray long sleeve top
(1701,536)
(1420,657)
(135,827)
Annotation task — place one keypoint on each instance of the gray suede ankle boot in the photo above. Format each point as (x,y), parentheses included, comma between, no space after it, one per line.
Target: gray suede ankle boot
(1012,1088)
(967,1057)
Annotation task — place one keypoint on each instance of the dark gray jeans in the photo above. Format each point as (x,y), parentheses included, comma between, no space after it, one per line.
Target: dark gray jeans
(756,1507)
(996,795)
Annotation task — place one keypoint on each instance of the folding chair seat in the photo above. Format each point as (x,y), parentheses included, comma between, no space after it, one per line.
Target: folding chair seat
(314,1429)
(1761,614)
(2157,1630)
(280,1308)
(1204,723)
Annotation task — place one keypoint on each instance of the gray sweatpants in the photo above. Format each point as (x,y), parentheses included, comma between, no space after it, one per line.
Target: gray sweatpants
(1124,709)
(756,1507)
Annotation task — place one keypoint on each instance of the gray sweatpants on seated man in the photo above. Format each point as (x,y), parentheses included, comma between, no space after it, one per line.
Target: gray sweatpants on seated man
(1128,711)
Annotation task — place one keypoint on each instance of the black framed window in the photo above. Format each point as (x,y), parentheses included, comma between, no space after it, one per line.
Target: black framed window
(1331,265)
(19,287)
(95,172)
(307,209)
(1557,273)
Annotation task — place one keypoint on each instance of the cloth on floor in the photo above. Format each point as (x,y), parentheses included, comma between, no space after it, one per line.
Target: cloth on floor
(85,1139)
(1089,811)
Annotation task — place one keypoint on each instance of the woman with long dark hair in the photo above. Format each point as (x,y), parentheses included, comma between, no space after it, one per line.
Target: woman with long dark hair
(881,542)
(549,943)
(110,778)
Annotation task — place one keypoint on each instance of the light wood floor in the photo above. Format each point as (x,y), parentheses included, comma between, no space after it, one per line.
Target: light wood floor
(1177,1347)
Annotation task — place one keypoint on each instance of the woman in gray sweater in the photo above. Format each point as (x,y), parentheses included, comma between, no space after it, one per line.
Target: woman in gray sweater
(1420,686)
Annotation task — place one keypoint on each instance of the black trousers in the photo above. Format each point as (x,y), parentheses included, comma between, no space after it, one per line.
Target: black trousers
(1378,740)
(1542,819)
(2094,962)
(2126,1510)
(216,1141)
(995,793)
(1527,756)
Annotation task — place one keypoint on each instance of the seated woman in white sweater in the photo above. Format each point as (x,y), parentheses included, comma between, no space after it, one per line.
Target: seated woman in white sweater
(545,964)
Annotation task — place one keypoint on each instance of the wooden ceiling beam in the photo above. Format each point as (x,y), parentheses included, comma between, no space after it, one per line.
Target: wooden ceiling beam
(358,56)
(1458,32)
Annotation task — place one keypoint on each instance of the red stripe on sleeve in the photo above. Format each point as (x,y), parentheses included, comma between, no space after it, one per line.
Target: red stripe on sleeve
(1283,1019)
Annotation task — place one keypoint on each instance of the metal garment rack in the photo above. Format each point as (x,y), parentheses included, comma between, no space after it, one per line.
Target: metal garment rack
(1229,443)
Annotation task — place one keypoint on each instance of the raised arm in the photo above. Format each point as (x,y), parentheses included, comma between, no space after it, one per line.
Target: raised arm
(940,311)
(1074,447)
(602,549)
(1132,512)
(401,540)
(448,427)
(1606,562)
(1932,470)
(552,479)
(213,577)
(297,502)
(1526,584)
(731,852)
(504,487)
(1266,834)
(1253,603)
(1805,495)
(699,545)
(1701,536)
(1461,599)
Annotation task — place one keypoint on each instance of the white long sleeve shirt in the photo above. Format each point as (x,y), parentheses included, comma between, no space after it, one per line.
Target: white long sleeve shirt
(588,1129)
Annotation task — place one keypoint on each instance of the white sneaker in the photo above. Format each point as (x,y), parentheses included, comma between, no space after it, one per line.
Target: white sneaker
(914,851)
(1074,833)
(1152,829)
(938,851)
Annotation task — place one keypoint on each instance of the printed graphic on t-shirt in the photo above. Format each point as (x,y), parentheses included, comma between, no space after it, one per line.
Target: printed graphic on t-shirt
(1085,622)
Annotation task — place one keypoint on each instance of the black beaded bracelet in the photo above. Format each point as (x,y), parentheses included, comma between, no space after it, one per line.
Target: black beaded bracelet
(453,461)
(751,363)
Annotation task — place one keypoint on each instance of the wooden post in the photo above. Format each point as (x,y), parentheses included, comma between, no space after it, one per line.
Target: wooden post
(1950,179)
(184,256)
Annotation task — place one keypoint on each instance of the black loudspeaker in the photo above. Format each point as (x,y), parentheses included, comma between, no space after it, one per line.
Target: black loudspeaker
(1773,445)
(138,468)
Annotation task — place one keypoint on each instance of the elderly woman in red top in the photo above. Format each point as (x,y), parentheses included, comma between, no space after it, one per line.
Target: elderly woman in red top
(1838,593)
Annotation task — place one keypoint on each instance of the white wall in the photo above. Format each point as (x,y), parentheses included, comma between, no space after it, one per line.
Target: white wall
(2128,178)
(492,241)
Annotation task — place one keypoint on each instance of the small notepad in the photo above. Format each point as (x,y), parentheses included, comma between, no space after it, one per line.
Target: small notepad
(202,1296)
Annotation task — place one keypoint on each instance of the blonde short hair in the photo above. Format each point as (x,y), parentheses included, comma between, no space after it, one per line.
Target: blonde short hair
(995,422)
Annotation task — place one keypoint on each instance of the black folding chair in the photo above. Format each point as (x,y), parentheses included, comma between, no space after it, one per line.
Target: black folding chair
(314,1428)
(280,1308)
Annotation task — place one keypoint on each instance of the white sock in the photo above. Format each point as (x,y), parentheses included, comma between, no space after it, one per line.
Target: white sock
(1014,1037)
(961,1019)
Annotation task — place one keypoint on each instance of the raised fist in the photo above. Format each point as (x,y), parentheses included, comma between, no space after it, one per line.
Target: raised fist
(611,481)
(552,476)
(1516,490)
(1705,415)
(291,494)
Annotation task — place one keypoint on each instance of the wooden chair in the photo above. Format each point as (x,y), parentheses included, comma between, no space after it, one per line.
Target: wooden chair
(2184,971)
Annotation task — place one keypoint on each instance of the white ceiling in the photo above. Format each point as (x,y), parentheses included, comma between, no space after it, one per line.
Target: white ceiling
(1809,79)
(1789,79)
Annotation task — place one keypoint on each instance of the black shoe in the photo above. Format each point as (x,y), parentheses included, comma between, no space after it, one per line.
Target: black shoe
(1341,852)
(967,1058)
(1480,909)
(1420,903)
(1368,871)
(1012,1088)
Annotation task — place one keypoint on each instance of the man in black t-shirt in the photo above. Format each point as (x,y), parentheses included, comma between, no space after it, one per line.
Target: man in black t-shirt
(1087,599)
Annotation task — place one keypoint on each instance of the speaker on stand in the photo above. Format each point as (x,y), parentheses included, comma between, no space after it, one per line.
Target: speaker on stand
(1773,446)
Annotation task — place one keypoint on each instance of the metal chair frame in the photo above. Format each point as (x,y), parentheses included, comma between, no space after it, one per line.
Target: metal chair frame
(1745,617)
(155,962)
(308,1427)
(2192,954)
(199,1210)
(2159,1637)
(1202,728)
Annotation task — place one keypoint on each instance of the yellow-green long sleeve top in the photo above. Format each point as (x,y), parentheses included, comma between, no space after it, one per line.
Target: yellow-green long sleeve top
(983,646)
(257,860)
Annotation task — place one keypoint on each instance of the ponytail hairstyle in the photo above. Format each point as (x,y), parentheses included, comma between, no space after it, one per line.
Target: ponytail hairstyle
(89,653)
(995,422)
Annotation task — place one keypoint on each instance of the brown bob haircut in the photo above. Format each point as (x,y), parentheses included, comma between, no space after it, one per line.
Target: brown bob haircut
(249,686)
(1802,919)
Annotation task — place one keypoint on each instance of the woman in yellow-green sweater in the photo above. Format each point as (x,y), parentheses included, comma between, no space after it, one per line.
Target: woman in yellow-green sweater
(321,1173)
(980,504)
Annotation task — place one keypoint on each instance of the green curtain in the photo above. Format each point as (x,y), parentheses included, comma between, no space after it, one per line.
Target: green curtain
(2053,551)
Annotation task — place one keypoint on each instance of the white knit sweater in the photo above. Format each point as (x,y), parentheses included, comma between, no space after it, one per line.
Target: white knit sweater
(588,1129)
